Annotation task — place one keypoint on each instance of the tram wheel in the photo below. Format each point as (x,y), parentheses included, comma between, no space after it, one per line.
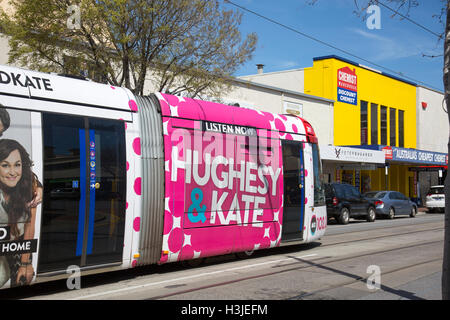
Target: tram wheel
(192,263)
(244,254)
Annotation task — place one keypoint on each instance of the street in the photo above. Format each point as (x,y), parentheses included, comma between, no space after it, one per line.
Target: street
(386,259)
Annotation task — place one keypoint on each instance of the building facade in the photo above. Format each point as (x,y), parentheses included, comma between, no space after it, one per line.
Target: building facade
(378,112)
(372,109)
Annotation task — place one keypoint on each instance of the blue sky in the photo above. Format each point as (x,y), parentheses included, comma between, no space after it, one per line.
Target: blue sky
(398,45)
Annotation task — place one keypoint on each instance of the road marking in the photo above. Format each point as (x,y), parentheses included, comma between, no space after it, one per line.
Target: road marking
(189,277)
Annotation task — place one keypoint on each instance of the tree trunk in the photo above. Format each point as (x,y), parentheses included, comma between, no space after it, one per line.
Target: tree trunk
(446,259)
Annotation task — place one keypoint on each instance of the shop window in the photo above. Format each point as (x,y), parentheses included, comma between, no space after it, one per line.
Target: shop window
(383,125)
(392,126)
(373,123)
(363,122)
(401,128)
(347,176)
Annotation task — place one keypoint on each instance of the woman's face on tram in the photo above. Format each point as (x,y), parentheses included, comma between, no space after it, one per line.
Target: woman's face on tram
(11,169)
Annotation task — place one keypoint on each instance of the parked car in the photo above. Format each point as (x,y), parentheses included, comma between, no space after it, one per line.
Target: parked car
(392,203)
(345,201)
(435,199)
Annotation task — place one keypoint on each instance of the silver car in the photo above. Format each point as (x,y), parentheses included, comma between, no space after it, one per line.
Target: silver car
(392,203)
(435,199)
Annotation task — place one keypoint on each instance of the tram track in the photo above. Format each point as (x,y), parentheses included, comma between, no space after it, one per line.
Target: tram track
(310,265)
(360,279)
(283,265)
(380,237)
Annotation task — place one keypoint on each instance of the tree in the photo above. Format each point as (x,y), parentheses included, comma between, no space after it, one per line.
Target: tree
(189,46)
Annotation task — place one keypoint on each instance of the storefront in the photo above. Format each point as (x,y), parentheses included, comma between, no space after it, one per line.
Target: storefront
(409,171)
(351,165)
(425,168)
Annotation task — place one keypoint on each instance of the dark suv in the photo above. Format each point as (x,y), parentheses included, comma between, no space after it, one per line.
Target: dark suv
(345,201)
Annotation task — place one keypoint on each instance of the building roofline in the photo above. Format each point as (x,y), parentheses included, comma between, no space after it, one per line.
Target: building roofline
(431,89)
(364,67)
(271,73)
(292,92)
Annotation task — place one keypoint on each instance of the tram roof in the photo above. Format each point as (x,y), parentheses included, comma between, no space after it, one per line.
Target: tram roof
(25,83)
(187,108)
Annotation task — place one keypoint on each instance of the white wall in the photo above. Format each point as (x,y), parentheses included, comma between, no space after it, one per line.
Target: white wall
(432,122)
(289,79)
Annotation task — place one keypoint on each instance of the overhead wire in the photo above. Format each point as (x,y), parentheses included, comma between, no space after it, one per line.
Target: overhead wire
(440,36)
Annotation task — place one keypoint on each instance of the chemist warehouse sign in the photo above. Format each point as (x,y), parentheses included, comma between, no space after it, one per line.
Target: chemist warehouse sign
(347,87)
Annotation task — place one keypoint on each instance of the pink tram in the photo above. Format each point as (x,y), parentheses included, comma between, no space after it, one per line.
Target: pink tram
(119,181)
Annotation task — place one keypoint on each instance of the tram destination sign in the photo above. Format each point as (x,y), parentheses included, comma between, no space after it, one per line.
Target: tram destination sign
(228,128)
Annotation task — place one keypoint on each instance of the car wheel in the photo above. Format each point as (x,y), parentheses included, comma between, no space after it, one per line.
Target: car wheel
(391,214)
(344,217)
(413,212)
(371,214)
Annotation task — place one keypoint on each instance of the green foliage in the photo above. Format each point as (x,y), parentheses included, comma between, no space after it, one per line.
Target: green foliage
(190,46)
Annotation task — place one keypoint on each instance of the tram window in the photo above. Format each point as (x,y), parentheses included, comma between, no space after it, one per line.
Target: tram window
(319,194)
(292,179)
(251,145)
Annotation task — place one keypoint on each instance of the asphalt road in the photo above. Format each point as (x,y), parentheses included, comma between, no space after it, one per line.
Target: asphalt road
(386,260)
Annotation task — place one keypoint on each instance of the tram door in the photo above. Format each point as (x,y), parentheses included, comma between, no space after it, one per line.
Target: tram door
(83,213)
(294,190)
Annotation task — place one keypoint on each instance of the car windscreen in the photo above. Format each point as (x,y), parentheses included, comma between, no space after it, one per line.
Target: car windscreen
(374,194)
(436,190)
(370,194)
(380,195)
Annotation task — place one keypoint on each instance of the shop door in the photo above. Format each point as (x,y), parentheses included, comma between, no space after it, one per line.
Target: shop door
(294,190)
(84,192)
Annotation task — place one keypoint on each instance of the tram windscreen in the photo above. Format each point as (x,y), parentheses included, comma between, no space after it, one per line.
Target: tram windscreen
(319,194)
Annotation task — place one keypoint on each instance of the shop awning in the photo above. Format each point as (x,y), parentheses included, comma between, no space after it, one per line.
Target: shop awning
(351,154)
(408,155)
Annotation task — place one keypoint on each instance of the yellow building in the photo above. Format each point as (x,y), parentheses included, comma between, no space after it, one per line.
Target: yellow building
(372,110)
